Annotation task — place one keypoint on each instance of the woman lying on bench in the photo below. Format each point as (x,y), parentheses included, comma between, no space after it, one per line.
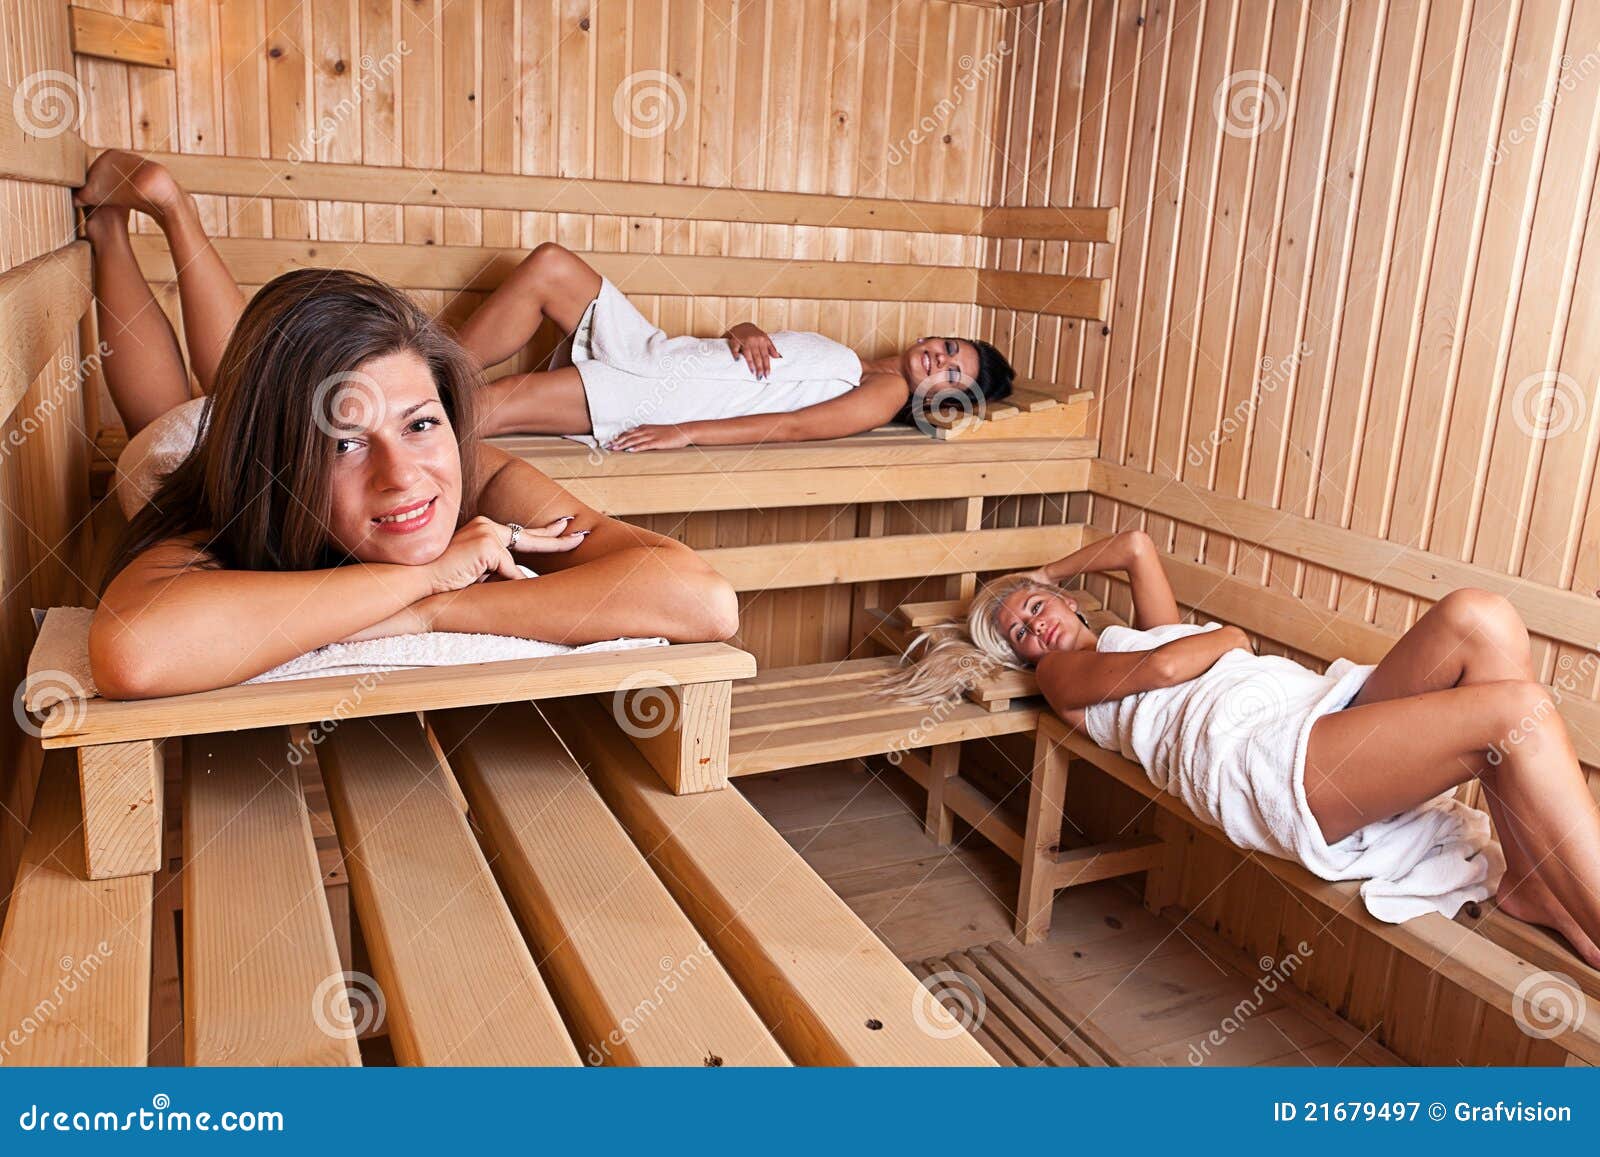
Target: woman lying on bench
(1346,772)
(330,487)
(633,388)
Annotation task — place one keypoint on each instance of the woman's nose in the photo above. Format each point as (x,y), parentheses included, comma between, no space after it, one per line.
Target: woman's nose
(393,469)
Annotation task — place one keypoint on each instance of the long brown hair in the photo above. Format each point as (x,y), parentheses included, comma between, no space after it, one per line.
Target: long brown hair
(258,483)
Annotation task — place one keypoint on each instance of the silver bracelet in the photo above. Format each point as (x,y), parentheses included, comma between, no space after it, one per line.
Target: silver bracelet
(516,533)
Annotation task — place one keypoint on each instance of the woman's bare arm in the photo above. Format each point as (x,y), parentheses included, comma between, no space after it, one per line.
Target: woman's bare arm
(622,579)
(167,626)
(876,400)
(1074,679)
(1131,551)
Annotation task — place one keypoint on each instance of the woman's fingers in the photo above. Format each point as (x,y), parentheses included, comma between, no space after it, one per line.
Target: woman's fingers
(550,530)
(558,545)
(506,566)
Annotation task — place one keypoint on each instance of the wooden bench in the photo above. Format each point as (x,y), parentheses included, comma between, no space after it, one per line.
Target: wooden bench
(621,923)
(119,742)
(1488,954)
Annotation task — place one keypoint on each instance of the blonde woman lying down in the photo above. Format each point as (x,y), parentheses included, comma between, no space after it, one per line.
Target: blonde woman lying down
(1347,772)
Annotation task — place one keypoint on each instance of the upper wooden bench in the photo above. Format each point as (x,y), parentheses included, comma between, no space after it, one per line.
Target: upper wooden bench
(119,741)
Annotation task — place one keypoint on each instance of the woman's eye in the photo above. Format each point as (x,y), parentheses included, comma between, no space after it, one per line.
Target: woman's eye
(345,445)
(950,348)
(955,375)
(425,424)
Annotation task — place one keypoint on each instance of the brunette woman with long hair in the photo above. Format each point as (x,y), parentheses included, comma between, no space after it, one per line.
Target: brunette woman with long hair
(331,485)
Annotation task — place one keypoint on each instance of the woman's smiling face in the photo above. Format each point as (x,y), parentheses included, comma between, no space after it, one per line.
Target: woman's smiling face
(1037,620)
(397,465)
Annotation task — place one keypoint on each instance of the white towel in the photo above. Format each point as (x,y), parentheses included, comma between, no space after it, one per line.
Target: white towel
(58,666)
(635,375)
(155,452)
(1231,744)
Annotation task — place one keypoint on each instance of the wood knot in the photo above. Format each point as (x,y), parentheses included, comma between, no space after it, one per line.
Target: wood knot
(875,1024)
(275,52)
(339,67)
(584,24)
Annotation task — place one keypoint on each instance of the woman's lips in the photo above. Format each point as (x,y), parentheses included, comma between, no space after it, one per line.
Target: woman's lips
(410,525)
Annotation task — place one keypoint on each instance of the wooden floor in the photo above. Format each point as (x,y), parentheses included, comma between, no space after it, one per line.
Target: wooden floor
(1159,991)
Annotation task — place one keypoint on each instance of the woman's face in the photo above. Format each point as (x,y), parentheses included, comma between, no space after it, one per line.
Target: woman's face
(1037,621)
(396,466)
(938,363)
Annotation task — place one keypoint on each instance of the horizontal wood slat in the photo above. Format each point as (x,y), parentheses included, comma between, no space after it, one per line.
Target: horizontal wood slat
(1060,295)
(375,184)
(113,37)
(101,721)
(257,260)
(43,145)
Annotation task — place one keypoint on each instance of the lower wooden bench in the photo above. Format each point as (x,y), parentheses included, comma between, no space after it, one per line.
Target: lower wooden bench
(620,923)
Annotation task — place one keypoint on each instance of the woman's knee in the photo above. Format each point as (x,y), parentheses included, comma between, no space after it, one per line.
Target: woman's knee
(1487,617)
(1520,711)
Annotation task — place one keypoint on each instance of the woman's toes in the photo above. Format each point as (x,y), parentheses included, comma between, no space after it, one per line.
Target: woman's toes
(127,180)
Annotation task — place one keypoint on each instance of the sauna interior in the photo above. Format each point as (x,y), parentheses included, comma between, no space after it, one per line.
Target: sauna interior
(1304,289)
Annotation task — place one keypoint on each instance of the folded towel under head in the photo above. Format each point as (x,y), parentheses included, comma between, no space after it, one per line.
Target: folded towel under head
(58,666)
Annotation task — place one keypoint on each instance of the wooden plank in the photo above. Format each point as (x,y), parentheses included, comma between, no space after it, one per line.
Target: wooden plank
(43,145)
(1566,615)
(1455,953)
(262,982)
(851,560)
(113,37)
(828,990)
(40,304)
(440,188)
(638,983)
(1052,223)
(1054,422)
(457,980)
(122,787)
(682,731)
(1060,295)
(1106,861)
(75,954)
(255,261)
(762,489)
(98,721)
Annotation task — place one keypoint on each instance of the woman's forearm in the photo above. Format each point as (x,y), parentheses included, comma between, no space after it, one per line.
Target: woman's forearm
(203,629)
(744,430)
(1193,655)
(1119,552)
(637,591)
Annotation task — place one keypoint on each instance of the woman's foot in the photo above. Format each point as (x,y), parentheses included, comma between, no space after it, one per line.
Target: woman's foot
(104,224)
(127,181)
(1530,900)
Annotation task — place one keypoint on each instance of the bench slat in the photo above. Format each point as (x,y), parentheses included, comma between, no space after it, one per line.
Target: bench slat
(639,984)
(75,953)
(829,990)
(100,721)
(261,967)
(755,752)
(460,985)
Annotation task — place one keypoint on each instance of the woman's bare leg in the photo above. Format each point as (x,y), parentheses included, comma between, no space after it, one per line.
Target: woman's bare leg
(207,293)
(552,402)
(1371,761)
(552,281)
(143,368)
(1473,637)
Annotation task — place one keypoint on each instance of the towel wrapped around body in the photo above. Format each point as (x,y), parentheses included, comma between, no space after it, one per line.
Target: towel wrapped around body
(1231,744)
(635,375)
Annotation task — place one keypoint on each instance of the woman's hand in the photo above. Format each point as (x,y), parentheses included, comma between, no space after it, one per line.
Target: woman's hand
(750,342)
(481,549)
(650,438)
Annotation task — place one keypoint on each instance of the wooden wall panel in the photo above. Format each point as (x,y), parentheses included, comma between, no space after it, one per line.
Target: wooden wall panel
(1355,283)
(44,449)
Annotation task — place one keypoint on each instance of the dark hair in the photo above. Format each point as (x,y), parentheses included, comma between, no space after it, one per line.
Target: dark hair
(258,482)
(992,384)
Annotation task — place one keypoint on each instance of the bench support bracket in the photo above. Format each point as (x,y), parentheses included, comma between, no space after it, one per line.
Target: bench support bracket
(682,731)
(121,784)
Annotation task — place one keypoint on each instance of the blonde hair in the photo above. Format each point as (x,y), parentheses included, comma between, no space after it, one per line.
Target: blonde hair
(947,658)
